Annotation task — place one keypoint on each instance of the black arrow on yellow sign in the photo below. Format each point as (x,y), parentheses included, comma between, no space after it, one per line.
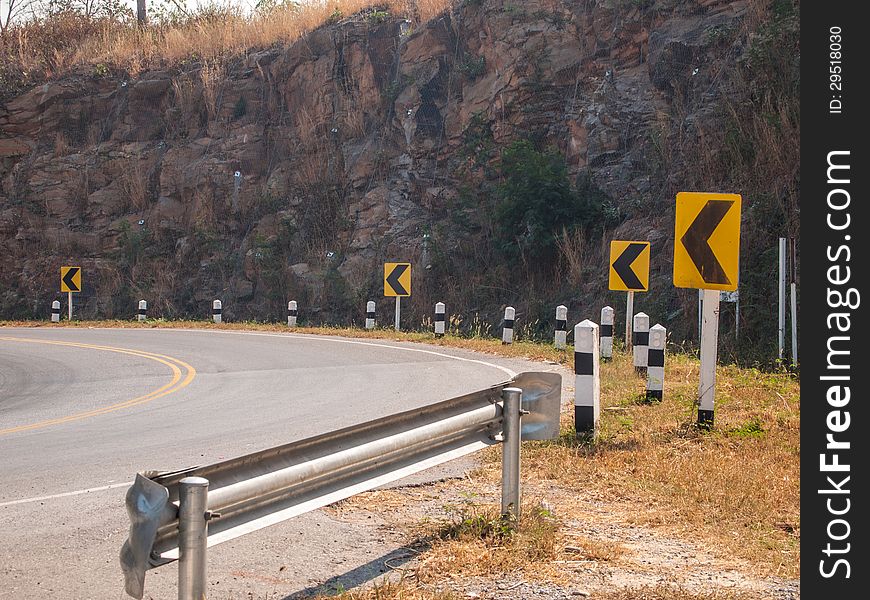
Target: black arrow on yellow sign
(69,279)
(696,243)
(393,279)
(622,266)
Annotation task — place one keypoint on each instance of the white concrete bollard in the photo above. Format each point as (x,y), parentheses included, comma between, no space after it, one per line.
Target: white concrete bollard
(507,334)
(439,319)
(216,311)
(292,313)
(655,383)
(640,344)
(143,310)
(587,385)
(561,336)
(55,311)
(370,315)
(606,333)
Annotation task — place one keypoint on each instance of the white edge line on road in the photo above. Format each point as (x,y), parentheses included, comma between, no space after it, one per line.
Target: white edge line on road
(339,340)
(66,494)
(509,373)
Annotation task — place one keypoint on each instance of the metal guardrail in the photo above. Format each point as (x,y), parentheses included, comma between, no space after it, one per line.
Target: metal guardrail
(176,515)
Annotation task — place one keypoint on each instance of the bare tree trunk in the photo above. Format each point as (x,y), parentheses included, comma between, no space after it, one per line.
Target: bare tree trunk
(140,11)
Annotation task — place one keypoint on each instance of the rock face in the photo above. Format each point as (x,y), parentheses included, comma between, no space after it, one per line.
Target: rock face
(294,172)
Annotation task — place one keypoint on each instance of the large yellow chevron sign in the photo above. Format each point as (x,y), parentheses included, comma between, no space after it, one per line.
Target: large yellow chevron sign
(707,241)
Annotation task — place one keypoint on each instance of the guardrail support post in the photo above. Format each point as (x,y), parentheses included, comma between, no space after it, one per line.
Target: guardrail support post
(192,537)
(510,457)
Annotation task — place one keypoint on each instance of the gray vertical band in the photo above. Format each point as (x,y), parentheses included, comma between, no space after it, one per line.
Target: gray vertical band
(192,538)
(510,463)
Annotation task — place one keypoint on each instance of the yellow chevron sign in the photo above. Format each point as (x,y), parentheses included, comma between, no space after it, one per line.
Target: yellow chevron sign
(397,279)
(707,241)
(70,279)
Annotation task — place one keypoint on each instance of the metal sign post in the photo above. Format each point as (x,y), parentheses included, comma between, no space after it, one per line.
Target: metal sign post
(709,350)
(397,283)
(629,272)
(70,281)
(780,332)
(707,257)
(398,312)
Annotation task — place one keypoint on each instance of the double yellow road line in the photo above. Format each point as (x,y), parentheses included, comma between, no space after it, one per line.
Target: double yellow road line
(182,375)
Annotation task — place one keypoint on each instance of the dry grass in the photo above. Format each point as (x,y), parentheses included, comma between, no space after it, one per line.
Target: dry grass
(479,541)
(57,45)
(737,488)
(408,590)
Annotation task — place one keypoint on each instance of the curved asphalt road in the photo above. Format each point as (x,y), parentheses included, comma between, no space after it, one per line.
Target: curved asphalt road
(83,410)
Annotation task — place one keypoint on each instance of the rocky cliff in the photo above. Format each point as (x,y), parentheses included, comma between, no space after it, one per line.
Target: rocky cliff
(295,172)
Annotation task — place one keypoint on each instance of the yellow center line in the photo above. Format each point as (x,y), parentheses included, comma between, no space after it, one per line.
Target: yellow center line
(179,381)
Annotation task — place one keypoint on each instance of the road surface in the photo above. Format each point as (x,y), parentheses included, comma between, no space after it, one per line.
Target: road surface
(83,410)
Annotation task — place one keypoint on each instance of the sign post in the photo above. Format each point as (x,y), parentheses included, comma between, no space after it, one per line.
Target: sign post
(706,257)
(629,272)
(70,281)
(397,283)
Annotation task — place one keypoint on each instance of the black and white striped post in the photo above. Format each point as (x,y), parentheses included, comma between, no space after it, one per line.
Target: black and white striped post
(370,315)
(587,386)
(143,311)
(507,334)
(439,319)
(216,311)
(641,342)
(655,383)
(561,337)
(292,313)
(606,333)
(55,311)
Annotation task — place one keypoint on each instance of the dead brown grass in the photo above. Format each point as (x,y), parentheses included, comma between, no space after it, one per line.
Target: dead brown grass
(736,489)
(479,541)
(56,46)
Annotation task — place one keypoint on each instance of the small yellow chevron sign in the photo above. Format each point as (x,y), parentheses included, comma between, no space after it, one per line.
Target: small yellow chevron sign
(397,279)
(629,266)
(70,279)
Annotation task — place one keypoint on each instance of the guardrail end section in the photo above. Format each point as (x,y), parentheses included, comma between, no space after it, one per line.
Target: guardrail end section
(542,398)
(145,502)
